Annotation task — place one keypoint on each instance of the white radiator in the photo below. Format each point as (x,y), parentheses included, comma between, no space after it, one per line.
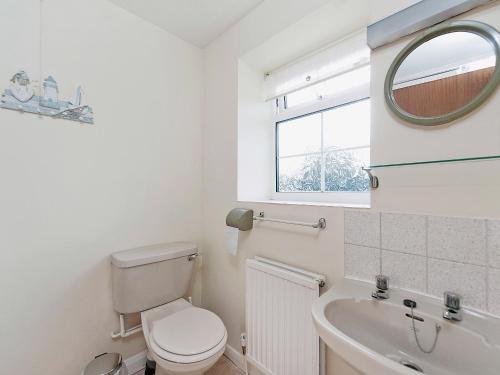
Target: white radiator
(281,336)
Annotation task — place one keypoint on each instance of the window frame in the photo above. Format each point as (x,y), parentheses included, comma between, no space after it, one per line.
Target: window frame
(361,199)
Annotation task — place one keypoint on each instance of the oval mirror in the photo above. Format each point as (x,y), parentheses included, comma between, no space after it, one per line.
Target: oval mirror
(444,74)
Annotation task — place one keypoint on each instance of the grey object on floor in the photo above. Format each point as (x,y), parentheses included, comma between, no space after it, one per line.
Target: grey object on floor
(150,368)
(106,364)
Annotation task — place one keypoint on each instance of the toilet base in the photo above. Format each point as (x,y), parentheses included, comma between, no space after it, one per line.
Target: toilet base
(199,368)
(161,371)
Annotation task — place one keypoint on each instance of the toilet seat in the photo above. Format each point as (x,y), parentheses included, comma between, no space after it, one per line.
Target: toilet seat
(188,336)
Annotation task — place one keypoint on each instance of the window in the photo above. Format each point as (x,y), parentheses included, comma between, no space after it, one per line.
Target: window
(322,124)
(323,141)
(324,151)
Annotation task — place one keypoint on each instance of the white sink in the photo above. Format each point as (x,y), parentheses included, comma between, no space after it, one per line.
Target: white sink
(375,336)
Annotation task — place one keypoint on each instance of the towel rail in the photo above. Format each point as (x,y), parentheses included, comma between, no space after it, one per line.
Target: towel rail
(320,224)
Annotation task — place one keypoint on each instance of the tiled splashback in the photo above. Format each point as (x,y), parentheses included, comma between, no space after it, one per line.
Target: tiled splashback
(428,254)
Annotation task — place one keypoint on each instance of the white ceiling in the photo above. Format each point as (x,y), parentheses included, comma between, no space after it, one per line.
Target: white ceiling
(196,21)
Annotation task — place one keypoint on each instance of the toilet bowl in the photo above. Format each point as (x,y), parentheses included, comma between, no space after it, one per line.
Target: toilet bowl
(183,339)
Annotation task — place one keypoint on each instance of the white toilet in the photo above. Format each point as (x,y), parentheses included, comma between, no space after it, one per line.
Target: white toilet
(181,338)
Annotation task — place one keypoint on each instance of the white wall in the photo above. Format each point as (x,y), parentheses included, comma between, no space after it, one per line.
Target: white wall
(463,189)
(255,136)
(448,190)
(223,276)
(71,194)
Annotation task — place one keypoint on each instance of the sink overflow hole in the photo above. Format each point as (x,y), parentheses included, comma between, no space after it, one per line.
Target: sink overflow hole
(416,317)
(412,365)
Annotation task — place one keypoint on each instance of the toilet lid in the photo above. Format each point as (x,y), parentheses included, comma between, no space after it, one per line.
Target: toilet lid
(188,332)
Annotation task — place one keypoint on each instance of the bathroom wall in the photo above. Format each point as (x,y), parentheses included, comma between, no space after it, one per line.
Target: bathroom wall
(223,275)
(427,254)
(71,194)
(468,190)
(460,189)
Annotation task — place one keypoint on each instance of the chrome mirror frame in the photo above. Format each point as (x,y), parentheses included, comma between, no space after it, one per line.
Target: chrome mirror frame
(486,31)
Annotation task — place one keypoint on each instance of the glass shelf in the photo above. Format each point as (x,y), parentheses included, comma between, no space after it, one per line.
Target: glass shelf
(492,157)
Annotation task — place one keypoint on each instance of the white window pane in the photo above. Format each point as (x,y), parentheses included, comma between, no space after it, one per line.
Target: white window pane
(343,170)
(300,173)
(300,136)
(347,126)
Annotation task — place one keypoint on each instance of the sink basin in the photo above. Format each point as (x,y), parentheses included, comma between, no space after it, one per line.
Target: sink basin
(376,337)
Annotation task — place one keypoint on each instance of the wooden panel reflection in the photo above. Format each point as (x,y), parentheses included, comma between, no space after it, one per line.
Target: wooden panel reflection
(442,96)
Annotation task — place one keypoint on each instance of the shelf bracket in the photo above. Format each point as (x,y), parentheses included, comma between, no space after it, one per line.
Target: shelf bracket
(374,183)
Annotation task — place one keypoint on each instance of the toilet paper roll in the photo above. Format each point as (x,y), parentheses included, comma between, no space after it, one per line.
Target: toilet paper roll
(232,235)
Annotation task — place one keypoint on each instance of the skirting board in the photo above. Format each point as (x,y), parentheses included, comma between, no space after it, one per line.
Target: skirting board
(256,365)
(136,363)
(235,356)
(239,360)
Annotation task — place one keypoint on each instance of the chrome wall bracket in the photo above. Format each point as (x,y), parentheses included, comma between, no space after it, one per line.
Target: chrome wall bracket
(374,183)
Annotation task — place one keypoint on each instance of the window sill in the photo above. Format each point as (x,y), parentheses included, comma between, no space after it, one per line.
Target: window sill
(304,203)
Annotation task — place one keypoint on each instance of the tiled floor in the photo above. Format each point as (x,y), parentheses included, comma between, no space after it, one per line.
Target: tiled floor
(223,367)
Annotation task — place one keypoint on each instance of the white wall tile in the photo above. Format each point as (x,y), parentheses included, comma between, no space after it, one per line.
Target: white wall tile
(361,262)
(362,228)
(427,254)
(494,291)
(494,242)
(405,270)
(466,279)
(457,239)
(404,233)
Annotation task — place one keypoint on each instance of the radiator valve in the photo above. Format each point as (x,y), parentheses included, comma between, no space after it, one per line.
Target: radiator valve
(243,340)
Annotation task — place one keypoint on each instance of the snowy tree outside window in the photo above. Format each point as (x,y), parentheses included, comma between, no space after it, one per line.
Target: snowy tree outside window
(325,151)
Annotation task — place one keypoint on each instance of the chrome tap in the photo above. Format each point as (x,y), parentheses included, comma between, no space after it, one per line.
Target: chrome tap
(452,310)
(382,285)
